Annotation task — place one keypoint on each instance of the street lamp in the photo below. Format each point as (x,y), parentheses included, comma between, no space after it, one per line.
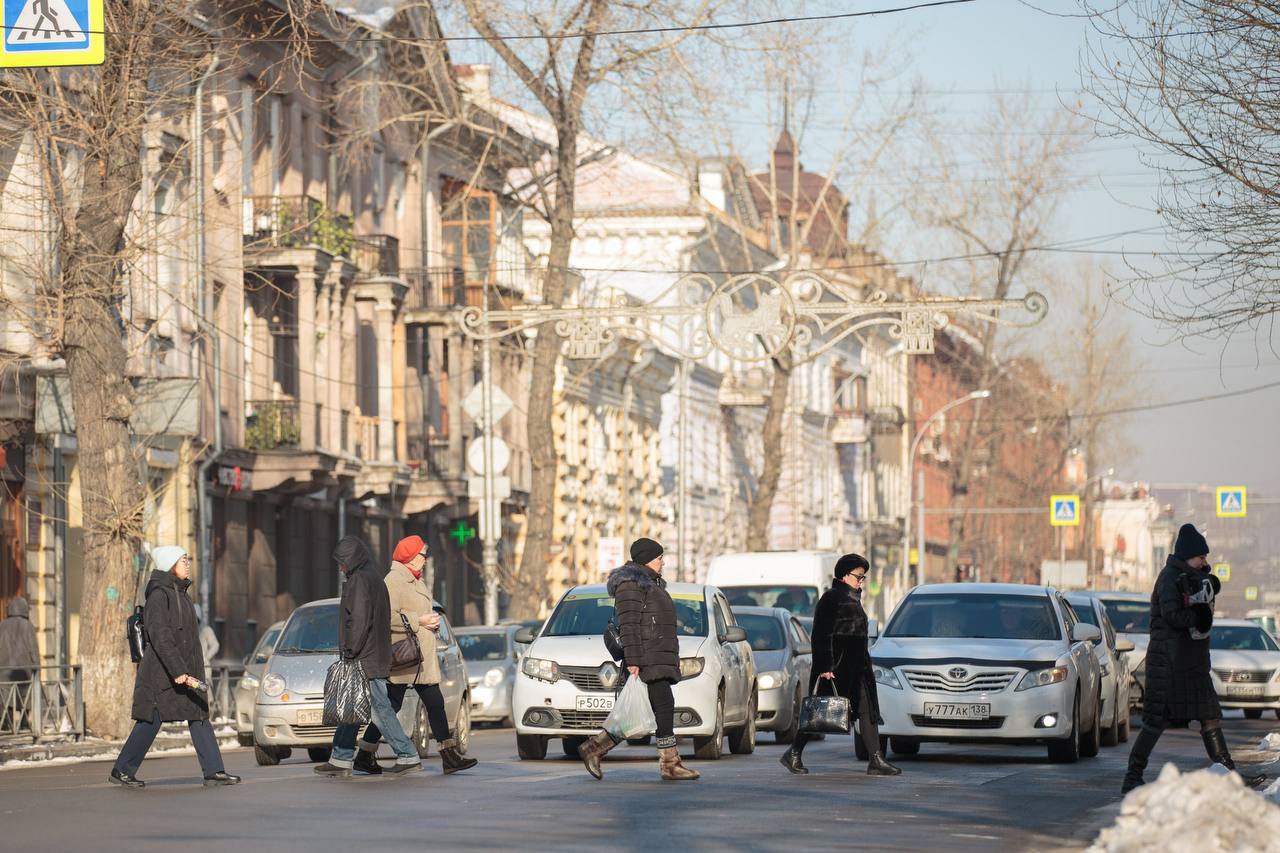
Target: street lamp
(903,567)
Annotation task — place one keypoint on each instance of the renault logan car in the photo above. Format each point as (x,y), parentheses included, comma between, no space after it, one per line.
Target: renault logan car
(567,681)
(290,705)
(1246,667)
(989,663)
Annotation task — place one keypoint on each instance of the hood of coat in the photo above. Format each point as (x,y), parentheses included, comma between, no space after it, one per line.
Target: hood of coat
(19,607)
(352,553)
(643,576)
(160,579)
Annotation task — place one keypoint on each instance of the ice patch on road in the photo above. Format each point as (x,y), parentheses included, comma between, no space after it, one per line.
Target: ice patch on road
(1270,743)
(1201,812)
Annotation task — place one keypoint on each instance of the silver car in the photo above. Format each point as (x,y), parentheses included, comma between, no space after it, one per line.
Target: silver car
(784,658)
(491,657)
(1130,615)
(247,688)
(289,709)
(1113,661)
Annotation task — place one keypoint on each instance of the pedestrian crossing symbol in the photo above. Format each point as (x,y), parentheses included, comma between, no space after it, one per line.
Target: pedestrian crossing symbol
(1232,502)
(1064,510)
(42,33)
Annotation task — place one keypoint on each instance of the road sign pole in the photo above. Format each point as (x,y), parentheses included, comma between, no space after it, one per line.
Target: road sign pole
(490,510)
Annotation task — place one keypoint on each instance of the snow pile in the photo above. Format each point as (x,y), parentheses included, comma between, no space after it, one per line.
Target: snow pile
(1201,812)
(1270,743)
(1272,792)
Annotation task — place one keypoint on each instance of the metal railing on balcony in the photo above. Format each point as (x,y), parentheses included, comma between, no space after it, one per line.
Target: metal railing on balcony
(377,254)
(449,287)
(49,706)
(271,424)
(284,222)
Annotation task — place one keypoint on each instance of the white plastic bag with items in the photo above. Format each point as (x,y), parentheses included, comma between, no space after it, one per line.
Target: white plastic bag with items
(632,715)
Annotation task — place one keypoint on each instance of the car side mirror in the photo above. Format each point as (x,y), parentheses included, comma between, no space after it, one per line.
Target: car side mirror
(439,608)
(873,629)
(1084,633)
(525,635)
(1123,645)
(804,649)
(734,634)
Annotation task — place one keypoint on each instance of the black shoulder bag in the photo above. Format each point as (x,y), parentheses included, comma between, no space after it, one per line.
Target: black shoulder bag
(407,652)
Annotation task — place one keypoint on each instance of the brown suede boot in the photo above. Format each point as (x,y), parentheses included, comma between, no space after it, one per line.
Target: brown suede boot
(672,769)
(595,749)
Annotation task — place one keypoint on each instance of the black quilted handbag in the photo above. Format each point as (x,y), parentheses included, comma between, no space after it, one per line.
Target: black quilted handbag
(825,715)
(613,639)
(346,695)
(407,652)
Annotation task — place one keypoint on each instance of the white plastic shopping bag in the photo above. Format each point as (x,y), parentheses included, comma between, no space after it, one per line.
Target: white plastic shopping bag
(632,715)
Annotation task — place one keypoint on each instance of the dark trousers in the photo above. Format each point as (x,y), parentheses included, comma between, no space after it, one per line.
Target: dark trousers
(144,734)
(664,710)
(867,728)
(430,697)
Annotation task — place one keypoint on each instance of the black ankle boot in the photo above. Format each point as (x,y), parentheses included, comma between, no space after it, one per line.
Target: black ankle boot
(878,766)
(1215,744)
(791,760)
(366,762)
(451,761)
(1138,757)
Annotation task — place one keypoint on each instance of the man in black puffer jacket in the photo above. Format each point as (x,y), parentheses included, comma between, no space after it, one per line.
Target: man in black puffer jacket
(651,650)
(1179,688)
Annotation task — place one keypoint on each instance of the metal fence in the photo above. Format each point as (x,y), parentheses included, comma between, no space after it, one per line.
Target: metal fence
(47,707)
(224,678)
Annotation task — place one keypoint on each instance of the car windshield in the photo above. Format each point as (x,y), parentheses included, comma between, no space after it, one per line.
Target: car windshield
(486,646)
(1239,638)
(584,614)
(764,633)
(1128,616)
(263,650)
(975,616)
(310,631)
(799,600)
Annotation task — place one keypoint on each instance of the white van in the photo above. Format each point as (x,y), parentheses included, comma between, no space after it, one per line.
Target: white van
(793,580)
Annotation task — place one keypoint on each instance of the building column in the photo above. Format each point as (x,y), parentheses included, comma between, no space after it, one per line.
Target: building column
(333,356)
(385,313)
(308,399)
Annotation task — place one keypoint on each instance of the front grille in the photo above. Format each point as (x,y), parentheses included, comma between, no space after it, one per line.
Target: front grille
(924,722)
(934,681)
(583,719)
(1243,676)
(314,731)
(584,677)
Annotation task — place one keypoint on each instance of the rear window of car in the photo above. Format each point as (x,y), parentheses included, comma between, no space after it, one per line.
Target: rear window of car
(800,600)
(1239,638)
(1128,616)
(584,614)
(310,631)
(486,646)
(764,633)
(977,616)
(1085,613)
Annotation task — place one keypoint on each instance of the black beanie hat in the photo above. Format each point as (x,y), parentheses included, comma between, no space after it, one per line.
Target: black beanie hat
(644,551)
(1190,543)
(846,564)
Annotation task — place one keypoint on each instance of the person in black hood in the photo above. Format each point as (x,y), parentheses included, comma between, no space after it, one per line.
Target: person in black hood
(19,658)
(364,635)
(168,687)
(651,652)
(1179,687)
(841,658)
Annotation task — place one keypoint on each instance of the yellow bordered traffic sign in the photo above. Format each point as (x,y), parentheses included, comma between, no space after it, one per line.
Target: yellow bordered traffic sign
(1232,501)
(1223,571)
(1064,510)
(46,33)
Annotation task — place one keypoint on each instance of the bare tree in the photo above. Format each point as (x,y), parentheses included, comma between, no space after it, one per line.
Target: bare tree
(1194,81)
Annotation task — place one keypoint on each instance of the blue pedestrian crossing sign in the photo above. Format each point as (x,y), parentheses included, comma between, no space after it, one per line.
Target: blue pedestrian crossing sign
(1064,510)
(1232,502)
(45,33)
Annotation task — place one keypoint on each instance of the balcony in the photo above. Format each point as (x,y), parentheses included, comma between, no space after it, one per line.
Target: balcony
(377,255)
(294,222)
(448,287)
(429,457)
(849,428)
(272,424)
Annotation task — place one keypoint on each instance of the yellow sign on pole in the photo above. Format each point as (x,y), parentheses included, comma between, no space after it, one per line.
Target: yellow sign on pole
(1232,502)
(1250,593)
(1223,571)
(1064,510)
(47,33)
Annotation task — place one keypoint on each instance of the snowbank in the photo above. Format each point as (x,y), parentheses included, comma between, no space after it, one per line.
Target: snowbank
(1201,812)
(1270,743)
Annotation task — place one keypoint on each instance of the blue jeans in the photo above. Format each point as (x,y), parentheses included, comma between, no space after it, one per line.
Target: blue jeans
(384,716)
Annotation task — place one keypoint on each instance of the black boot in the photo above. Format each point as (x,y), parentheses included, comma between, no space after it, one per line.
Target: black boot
(126,780)
(791,758)
(366,762)
(878,766)
(1215,744)
(1138,757)
(451,760)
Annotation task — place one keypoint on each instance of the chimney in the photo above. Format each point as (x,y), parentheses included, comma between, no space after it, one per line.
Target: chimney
(474,80)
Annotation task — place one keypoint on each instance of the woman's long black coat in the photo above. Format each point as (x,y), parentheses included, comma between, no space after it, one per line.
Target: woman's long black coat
(173,649)
(840,645)
(647,622)
(1179,687)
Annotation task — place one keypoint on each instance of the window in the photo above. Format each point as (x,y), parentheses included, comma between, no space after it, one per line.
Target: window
(486,646)
(798,633)
(583,614)
(310,631)
(468,225)
(1068,616)
(764,633)
(1241,639)
(1129,616)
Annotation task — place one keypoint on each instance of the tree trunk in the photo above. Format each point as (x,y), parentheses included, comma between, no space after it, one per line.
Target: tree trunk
(760,518)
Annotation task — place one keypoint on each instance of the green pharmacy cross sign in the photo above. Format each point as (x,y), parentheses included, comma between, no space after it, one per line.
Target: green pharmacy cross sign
(463,533)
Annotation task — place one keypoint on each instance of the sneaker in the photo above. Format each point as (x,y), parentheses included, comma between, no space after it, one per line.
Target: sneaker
(221,778)
(399,769)
(332,771)
(126,780)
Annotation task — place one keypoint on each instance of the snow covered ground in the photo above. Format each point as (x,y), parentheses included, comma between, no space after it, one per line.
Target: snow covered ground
(226,736)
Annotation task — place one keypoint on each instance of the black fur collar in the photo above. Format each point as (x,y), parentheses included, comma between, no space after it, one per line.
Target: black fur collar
(642,576)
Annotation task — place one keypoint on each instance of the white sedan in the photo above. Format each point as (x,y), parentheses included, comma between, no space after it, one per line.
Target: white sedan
(1246,667)
(567,681)
(989,663)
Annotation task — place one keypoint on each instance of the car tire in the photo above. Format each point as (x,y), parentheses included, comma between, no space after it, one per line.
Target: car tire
(1067,750)
(1111,734)
(712,747)
(788,735)
(742,740)
(318,754)
(531,747)
(570,746)
(507,723)
(1091,745)
(904,746)
(245,740)
(462,731)
(266,756)
(1253,713)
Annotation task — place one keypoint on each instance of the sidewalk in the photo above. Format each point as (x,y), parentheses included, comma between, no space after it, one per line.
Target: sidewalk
(172,739)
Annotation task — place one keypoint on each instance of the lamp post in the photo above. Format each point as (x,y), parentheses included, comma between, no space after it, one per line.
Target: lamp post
(903,567)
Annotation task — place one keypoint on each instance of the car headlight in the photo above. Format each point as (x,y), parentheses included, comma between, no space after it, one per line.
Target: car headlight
(250,682)
(1042,677)
(769,680)
(886,676)
(543,670)
(691,667)
(273,685)
(493,677)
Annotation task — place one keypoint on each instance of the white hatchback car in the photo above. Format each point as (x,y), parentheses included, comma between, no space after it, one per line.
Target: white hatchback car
(567,681)
(989,663)
(1246,666)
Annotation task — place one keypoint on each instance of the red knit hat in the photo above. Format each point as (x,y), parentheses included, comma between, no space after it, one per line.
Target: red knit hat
(408,548)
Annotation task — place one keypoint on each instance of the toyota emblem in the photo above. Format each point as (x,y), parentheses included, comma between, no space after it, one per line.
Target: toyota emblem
(958,673)
(608,675)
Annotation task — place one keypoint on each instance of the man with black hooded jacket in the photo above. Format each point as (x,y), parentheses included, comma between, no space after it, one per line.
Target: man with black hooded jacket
(364,634)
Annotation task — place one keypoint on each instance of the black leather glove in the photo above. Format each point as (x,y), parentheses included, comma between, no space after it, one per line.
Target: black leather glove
(1204,617)
(1215,583)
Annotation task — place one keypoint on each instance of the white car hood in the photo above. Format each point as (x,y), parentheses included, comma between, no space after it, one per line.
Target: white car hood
(1021,653)
(1227,659)
(590,650)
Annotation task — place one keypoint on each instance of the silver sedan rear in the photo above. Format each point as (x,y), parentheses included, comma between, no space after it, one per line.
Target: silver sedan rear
(784,659)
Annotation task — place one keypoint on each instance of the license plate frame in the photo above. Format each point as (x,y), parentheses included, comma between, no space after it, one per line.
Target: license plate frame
(597,702)
(310,717)
(1245,691)
(957,710)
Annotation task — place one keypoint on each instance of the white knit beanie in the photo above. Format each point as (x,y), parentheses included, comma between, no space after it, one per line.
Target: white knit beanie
(166,555)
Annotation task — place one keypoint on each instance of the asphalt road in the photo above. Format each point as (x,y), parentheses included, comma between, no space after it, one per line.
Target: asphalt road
(949,799)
